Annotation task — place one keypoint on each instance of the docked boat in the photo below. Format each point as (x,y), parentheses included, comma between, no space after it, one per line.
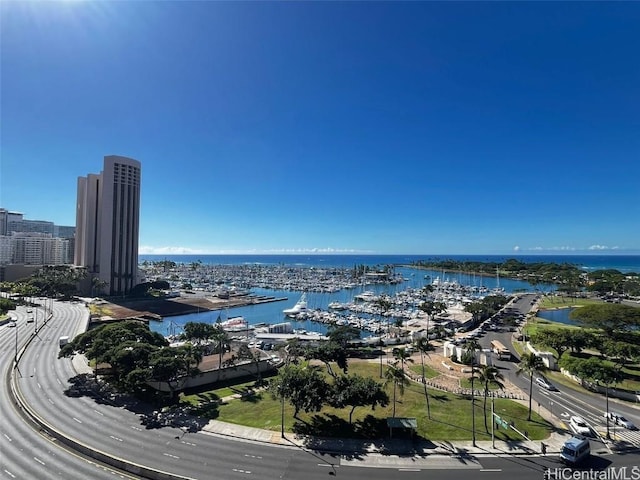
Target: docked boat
(235,324)
(299,307)
(338,306)
(367,296)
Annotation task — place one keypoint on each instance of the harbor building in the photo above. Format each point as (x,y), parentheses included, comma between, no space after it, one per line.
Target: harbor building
(107,224)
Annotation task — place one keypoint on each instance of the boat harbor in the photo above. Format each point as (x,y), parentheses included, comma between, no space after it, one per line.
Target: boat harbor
(270,303)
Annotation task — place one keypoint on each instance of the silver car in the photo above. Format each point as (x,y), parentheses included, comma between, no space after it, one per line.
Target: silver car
(579,426)
(621,420)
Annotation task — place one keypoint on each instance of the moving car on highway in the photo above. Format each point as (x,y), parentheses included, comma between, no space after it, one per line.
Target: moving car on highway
(620,420)
(579,426)
(546,384)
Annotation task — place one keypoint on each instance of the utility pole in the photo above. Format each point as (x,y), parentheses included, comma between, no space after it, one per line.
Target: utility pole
(493,423)
(473,401)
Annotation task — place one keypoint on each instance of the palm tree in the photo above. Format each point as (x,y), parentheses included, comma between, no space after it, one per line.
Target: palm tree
(472,346)
(385,305)
(432,309)
(423,346)
(489,375)
(395,375)
(222,339)
(530,363)
(403,356)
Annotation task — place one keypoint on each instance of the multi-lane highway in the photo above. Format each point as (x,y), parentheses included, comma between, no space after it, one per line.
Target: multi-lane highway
(119,432)
(25,453)
(565,402)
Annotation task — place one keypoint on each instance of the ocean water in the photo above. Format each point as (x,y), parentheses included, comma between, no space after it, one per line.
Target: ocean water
(623,263)
(414,278)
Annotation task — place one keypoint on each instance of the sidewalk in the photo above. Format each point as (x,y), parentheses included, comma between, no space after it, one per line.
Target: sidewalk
(387,447)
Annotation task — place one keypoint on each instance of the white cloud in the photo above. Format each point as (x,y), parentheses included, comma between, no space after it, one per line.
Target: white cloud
(601,247)
(516,248)
(150,250)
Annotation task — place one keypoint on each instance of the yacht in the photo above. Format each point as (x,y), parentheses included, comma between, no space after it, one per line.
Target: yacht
(299,307)
(367,296)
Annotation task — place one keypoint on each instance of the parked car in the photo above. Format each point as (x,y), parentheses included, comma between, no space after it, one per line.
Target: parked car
(546,384)
(620,420)
(579,426)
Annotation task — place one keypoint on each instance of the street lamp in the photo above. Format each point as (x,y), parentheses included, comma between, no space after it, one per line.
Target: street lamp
(281,412)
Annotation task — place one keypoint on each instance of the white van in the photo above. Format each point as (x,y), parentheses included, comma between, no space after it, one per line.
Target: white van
(575,450)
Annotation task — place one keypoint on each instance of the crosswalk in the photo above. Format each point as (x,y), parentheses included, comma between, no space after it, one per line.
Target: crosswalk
(619,436)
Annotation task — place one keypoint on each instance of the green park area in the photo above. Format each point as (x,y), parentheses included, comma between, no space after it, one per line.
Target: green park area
(604,350)
(451,416)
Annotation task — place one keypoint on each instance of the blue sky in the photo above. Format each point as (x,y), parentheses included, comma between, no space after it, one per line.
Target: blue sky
(417,128)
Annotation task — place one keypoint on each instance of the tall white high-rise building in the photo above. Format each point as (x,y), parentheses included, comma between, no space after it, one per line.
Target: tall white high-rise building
(107,224)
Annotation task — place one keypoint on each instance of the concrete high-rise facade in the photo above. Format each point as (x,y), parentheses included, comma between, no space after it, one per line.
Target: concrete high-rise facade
(107,224)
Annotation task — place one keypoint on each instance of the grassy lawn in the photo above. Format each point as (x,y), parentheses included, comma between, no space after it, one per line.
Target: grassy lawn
(565,302)
(538,324)
(450,415)
(429,371)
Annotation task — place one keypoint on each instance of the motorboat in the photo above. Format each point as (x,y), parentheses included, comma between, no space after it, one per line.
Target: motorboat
(299,307)
(337,306)
(235,324)
(367,296)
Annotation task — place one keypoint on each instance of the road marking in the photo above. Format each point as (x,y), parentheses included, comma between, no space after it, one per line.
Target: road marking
(116,438)
(50,401)
(169,455)
(327,465)
(194,445)
(79,421)
(58,380)
(136,428)
(7,437)
(248,472)
(409,470)
(252,456)
(9,473)
(490,469)
(39,386)
(39,461)
(99,413)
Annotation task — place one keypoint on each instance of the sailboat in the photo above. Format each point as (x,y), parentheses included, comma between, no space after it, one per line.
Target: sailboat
(498,290)
(300,306)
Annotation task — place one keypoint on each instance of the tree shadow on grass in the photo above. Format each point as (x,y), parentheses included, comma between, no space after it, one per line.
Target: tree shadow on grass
(440,397)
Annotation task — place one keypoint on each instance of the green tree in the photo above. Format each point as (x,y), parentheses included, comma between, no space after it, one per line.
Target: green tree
(403,356)
(530,363)
(470,353)
(384,304)
(611,318)
(356,391)
(342,334)
(431,309)
(303,386)
(395,376)
(329,352)
(423,347)
(173,365)
(489,375)
(558,339)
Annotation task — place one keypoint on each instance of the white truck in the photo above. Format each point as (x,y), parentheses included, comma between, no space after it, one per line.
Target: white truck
(63,341)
